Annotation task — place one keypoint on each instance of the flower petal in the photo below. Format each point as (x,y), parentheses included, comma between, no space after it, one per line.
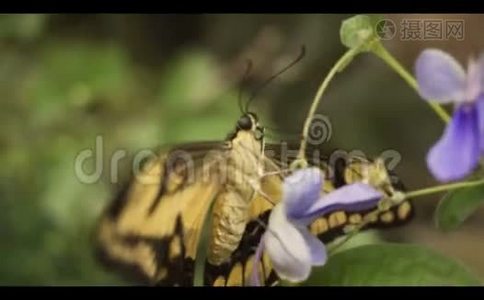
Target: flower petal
(316,248)
(353,197)
(300,190)
(456,154)
(474,81)
(480,116)
(440,77)
(254,277)
(287,248)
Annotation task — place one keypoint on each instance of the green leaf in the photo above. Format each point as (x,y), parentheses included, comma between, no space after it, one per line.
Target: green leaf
(358,31)
(391,264)
(457,206)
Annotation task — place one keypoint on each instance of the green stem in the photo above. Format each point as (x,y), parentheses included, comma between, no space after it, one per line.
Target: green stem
(338,66)
(443,188)
(383,53)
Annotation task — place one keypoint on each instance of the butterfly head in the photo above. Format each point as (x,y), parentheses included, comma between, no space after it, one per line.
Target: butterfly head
(248,123)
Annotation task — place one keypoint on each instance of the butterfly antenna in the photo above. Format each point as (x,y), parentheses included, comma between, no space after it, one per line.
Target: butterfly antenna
(270,79)
(243,83)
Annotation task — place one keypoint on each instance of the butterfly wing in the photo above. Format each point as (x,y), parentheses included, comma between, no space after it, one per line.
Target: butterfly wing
(152,228)
(350,169)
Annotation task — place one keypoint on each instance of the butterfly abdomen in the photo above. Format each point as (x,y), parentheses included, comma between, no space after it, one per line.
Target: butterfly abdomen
(230,217)
(243,170)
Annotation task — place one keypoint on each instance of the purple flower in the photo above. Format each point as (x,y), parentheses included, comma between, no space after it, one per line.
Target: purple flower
(441,78)
(293,250)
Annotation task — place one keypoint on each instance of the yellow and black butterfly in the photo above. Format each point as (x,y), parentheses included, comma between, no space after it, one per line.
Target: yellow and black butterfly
(153,227)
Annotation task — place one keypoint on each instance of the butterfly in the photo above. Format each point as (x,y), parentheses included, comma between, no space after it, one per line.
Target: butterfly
(152,229)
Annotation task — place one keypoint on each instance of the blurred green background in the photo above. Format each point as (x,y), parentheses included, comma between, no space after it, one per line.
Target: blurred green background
(142,81)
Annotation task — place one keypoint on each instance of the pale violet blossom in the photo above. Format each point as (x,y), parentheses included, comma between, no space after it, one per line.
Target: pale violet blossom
(442,79)
(292,249)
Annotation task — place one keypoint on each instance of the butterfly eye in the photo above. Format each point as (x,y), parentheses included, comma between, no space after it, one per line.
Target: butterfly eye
(244,123)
